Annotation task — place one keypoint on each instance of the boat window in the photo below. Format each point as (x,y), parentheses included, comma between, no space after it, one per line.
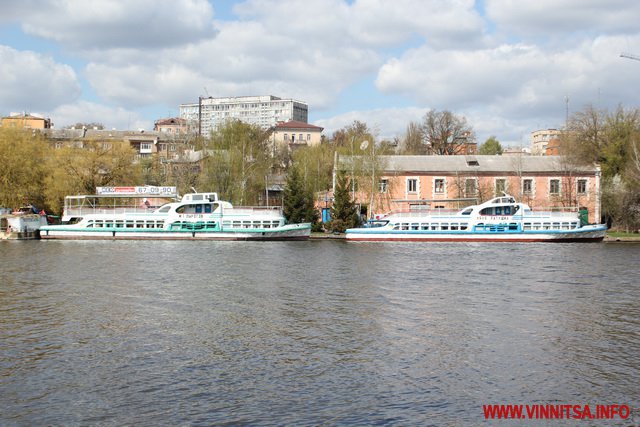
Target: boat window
(527,226)
(415,226)
(556,226)
(499,210)
(208,208)
(119,223)
(424,226)
(487,211)
(546,226)
(198,208)
(129,224)
(513,226)
(275,223)
(444,226)
(454,226)
(396,227)
(434,226)
(196,197)
(574,225)
(404,226)
(164,209)
(237,224)
(467,211)
(463,226)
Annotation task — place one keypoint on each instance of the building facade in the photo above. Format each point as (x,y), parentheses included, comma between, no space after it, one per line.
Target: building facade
(171,126)
(452,182)
(541,139)
(265,111)
(292,134)
(26,121)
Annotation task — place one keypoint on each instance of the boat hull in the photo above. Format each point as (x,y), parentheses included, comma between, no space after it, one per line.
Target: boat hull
(583,234)
(287,232)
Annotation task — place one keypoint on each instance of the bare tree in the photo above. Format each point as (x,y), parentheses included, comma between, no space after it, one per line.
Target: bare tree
(444,133)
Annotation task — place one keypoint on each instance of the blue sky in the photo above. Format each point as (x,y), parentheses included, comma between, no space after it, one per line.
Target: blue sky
(507,66)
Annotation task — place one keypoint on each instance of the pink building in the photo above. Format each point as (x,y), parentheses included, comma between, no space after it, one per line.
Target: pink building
(418,182)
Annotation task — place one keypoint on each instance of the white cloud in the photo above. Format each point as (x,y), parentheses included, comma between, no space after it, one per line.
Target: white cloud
(551,18)
(34,82)
(100,24)
(385,123)
(89,112)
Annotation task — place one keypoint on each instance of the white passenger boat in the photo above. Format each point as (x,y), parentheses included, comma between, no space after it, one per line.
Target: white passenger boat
(501,219)
(197,216)
(22,224)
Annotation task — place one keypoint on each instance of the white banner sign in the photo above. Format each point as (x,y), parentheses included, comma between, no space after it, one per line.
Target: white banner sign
(137,191)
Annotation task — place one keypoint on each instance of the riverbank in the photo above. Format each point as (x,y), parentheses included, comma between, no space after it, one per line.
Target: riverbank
(614,236)
(609,238)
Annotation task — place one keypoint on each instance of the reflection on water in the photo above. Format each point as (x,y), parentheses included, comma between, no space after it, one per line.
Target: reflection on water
(311,332)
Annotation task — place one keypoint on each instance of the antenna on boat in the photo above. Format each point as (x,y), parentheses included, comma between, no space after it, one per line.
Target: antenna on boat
(194,190)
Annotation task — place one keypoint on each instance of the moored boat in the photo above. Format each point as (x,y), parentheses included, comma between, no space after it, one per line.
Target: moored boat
(22,224)
(196,216)
(501,219)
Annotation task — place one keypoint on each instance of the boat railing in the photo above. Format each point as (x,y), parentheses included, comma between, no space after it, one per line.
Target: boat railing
(87,210)
(419,213)
(246,210)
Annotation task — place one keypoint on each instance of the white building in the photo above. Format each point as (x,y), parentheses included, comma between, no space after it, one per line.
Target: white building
(264,111)
(540,140)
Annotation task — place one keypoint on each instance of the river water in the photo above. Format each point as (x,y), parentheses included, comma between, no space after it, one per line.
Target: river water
(312,333)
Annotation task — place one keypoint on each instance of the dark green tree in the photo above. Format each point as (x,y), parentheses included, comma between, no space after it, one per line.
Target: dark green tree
(298,200)
(344,212)
(490,147)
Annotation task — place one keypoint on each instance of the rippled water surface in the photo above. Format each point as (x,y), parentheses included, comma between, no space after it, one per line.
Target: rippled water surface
(308,333)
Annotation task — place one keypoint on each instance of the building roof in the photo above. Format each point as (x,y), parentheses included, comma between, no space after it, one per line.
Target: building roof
(171,121)
(294,124)
(476,164)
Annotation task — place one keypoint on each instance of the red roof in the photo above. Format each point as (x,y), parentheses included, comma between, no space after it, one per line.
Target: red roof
(293,124)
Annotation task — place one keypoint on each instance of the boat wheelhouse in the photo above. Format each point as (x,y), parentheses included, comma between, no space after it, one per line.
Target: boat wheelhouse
(501,219)
(196,216)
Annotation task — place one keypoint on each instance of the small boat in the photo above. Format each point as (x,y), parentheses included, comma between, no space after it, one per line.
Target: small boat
(196,216)
(21,224)
(501,219)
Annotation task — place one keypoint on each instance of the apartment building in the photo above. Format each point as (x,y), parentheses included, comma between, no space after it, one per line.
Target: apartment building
(265,111)
(541,139)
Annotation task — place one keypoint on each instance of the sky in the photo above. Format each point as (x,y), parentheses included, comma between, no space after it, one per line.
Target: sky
(509,67)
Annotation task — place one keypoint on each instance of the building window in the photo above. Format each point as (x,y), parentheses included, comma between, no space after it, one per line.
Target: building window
(308,137)
(286,137)
(412,185)
(527,186)
(554,186)
(582,186)
(383,185)
(301,137)
(470,187)
(501,186)
(438,185)
(145,147)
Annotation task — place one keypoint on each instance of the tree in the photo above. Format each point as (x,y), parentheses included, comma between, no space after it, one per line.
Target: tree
(298,200)
(352,135)
(490,147)
(413,140)
(236,162)
(344,212)
(80,168)
(444,133)
(611,140)
(22,168)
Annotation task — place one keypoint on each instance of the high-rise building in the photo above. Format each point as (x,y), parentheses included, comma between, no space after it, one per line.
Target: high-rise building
(265,111)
